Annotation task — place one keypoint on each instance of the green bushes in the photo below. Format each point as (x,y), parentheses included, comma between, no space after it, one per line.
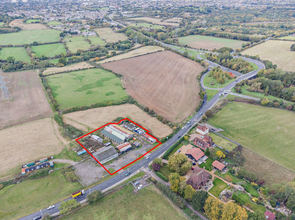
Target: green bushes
(66,129)
(39,173)
(180,202)
(165,156)
(162,176)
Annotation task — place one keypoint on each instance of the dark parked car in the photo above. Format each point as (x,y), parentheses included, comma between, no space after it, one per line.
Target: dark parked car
(37,217)
(127,174)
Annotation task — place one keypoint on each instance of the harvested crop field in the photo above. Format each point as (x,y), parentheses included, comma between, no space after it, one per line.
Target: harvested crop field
(76,66)
(205,42)
(155,21)
(266,169)
(95,118)
(29,101)
(109,35)
(165,82)
(278,52)
(27,142)
(133,53)
(24,26)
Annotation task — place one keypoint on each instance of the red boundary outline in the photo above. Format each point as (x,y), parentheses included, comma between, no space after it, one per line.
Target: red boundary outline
(147,132)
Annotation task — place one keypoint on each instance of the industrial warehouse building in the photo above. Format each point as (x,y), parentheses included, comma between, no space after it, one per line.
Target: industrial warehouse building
(96,138)
(113,135)
(106,154)
(126,133)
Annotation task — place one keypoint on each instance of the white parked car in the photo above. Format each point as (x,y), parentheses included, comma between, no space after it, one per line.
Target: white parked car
(140,186)
(51,207)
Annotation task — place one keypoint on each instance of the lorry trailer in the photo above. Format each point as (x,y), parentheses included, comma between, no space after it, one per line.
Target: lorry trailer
(78,193)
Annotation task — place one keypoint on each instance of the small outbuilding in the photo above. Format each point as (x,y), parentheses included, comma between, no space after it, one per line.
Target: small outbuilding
(124,147)
(202,129)
(269,215)
(219,166)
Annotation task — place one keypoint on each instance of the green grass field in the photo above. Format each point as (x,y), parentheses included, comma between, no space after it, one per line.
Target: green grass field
(266,131)
(205,42)
(147,25)
(54,23)
(49,50)
(75,43)
(191,52)
(147,204)
(96,40)
(210,94)
(31,195)
(1,24)
(210,82)
(246,200)
(32,20)
(54,61)
(218,187)
(249,188)
(19,53)
(288,38)
(85,87)
(207,164)
(165,170)
(222,142)
(29,36)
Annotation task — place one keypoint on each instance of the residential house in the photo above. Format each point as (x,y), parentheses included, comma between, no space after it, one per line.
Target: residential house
(196,155)
(202,129)
(199,178)
(106,154)
(219,166)
(201,143)
(269,215)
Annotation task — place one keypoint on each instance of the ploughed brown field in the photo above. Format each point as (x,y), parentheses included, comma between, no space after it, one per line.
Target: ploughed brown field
(165,82)
(29,101)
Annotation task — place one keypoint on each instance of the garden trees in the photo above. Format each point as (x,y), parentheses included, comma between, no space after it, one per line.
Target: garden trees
(258,215)
(220,154)
(189,192)
(94,196)
(213,208)
(156,167)
(208,113)
(199,199)
(232,211)
(175,181)
(264,101)
(179,163)
(157,161)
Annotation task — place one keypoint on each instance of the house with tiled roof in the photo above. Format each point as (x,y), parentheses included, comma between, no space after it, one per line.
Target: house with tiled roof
(201,143)
(202,129)
(196,155)
(219,166)
(269,215)
(199,178)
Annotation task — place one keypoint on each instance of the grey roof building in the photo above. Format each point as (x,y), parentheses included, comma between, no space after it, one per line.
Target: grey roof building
(106,154)
(97,138)
(114,136)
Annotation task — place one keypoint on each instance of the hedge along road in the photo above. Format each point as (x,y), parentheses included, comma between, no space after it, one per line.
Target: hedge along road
(121,177)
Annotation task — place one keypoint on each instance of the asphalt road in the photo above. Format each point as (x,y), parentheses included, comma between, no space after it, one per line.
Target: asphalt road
(144,162)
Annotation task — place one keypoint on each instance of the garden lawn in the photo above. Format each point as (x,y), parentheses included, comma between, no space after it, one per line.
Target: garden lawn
(29,36)
(207,164)
(246,200)
(212,83)
(49,50)
(85,87)
(54,23)
(211,93)
(218,187)
(19,53)
(32,195)
(222,142)
(32,20)
(249,188)
(165,170)
(235,179)
(147,25)
(267,131)
(206,42)
(75,43)
(96,40)
(147,204)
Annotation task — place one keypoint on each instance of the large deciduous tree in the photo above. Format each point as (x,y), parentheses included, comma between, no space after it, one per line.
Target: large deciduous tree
(213,208)
(179,163)
(199,199)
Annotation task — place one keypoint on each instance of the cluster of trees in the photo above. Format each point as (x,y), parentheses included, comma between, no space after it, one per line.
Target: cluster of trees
(292,47)
(236,156)
(179,185)
(94,196)
(215,210)
(284,193)
(66,206)
(225,59)
(179,163)
(69,175)
(218,74)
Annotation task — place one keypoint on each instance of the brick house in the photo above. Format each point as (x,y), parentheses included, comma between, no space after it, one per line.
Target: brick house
(199,178)
(202,129)
(201,143)
(196,155)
